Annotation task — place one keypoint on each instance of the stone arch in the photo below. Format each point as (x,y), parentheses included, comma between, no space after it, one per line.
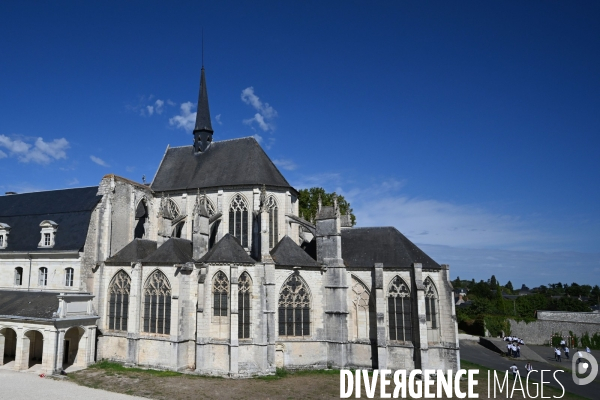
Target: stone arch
(239,218)
(399,310)
(295,303)
(74,348)
(32,349)
(8,345)
(361,307)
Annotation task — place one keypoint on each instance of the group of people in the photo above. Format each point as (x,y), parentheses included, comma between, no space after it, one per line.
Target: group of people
(513,347)
(514,339)
(565,349)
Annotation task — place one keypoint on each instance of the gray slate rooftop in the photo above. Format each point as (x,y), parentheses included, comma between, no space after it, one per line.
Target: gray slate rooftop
(363,247)
(288,253)
(28,304)
(135,250)
(227,250)
(71,209)
(226,163)
(173,251)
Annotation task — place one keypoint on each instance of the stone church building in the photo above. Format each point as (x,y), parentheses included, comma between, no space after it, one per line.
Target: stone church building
(210,269)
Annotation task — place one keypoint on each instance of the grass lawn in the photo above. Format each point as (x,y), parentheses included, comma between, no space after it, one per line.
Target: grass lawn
(319,384)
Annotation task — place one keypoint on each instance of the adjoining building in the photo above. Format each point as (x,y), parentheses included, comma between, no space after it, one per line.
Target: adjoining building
(211,269)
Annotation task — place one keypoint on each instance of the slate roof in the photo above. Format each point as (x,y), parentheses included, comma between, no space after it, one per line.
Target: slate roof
(137,249)
(288,253)
(173,251)
(28,304)
(203,113)
(326,212)
(227,251)
(363,247)
(226,163)
(71,209)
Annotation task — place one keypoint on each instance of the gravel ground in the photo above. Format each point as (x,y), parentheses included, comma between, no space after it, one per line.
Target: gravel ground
(26,385)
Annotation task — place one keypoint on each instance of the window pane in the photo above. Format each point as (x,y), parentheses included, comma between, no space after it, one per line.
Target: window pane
(427,309)
(282,321)
(306,321)
(433,316)
(231,222)
(224,304)
(392,317)
(111,311)
(238,227)
(153,306)
(168,314)
(289,315)
(161,314)
(245,228)
(217,305)
(147,306)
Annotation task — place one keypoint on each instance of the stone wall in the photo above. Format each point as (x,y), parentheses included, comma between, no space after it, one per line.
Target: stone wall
(550,322)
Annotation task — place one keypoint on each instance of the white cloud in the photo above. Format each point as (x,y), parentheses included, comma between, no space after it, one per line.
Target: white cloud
(150,110)
(265,113)
(3,154)
(286,164)
(218,119)
(99,161)
(186,118)
(73,182)
(40,152)
(159,106)
(258,138)
(171,102)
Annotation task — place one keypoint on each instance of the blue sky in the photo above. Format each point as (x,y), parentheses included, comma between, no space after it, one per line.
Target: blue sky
(473,127)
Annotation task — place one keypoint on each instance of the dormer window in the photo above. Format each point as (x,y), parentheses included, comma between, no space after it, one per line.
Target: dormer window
(49,229)
(4,230)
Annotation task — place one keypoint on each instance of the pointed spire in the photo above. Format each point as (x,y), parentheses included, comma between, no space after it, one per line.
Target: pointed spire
(203,130)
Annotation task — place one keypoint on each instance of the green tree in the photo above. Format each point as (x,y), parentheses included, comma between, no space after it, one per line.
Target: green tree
(493,281)
(509,286)
(309,199)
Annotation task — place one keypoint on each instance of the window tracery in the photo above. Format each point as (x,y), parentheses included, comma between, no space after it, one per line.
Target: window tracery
(220,294)
(244,305)
(238,219)
(399,310)
(294,308)
(273,221)
(361,302)
(118,301)
(431,304)
(157,304)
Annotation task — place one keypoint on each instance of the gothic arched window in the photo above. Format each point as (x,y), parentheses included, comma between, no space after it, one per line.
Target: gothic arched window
(208,204)
(273,222)
(157,304)
(360,298)
(118,301)
(244,305)
(399,310)
(238,219)
(431,310)
(294,308)
(220,294)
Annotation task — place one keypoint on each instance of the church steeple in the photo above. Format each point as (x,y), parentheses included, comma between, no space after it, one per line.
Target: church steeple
(203,131)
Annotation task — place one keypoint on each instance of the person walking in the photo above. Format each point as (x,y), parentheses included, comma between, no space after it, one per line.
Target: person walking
(567,353)
(508,350)
(528,367)
(587,349)
(518,351)
(558,355)
(515,371)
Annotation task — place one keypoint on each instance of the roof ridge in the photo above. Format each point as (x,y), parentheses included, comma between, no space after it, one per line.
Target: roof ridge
(49,190)
(214,142)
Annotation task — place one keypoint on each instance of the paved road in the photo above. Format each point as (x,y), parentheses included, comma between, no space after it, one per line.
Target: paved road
(475,353)
(26,385)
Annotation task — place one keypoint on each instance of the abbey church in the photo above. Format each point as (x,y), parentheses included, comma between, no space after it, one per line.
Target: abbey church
(210,269)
